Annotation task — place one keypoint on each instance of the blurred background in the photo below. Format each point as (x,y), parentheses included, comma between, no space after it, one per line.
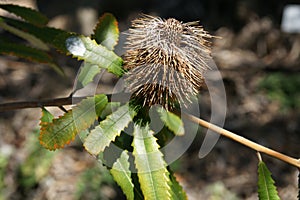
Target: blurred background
(258,56)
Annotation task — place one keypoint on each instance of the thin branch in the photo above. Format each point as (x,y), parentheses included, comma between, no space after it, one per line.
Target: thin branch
(293,161)
(59,102)
(259,156)
(39,103)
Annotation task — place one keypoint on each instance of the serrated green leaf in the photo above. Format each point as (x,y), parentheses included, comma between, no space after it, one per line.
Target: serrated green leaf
(106,32)
(87,73)
(46,118)
(122,175)
(86,49)
(52,36)
(34,41)
(177,191)
(172,121)
(152,172)
(109,108)
(29,53)
(266,188)
(28,14)
(108,129)
(64,129)
(83,134)
(59,39)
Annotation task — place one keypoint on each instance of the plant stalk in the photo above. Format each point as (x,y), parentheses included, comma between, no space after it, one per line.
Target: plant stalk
(293,161)
(39,103)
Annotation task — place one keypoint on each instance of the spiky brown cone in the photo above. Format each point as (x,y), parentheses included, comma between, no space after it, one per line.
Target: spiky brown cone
(165,60)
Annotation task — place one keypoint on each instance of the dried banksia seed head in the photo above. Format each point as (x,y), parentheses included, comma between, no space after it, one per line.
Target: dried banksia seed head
(165,60)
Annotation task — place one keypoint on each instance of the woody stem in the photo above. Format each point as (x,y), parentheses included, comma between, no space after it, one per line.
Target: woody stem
(259,148)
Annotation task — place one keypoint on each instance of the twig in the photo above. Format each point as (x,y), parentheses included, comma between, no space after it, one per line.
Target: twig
(39,103)
(293,161)
(259,156)
(59,102)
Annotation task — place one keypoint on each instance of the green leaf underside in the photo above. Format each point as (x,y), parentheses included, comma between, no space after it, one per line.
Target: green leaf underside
(28,14)
(266,188)
(172,121)
(122,175)
(52,36)
(177,192)
(64,129)
(88,50)
(87,73)
(152,172)
(28,53)
(106,32)
(34,41)
(108,129)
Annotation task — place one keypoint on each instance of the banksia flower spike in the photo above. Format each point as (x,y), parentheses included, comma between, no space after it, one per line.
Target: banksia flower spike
(165,60)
